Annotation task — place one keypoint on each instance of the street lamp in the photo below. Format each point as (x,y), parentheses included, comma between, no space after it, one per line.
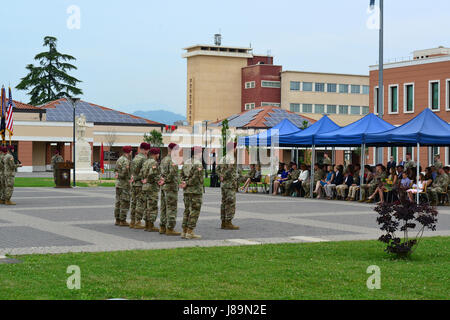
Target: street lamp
(73,102)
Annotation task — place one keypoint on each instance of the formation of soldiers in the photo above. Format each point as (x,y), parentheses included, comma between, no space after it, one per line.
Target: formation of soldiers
(140,181)
(8,169)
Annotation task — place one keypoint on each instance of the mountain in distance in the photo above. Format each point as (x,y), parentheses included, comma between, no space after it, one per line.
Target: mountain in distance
(162,116)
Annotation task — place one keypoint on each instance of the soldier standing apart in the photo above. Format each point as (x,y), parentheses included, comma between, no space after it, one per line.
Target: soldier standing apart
(3,151)
(10,169)
(192,183)
(123,187)
(169,193)
(138,197)
(151,180)
(56,159)
(228,177)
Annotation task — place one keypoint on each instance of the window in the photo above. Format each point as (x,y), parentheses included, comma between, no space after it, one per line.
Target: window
(447,157)
(409,150)
(295,107)
(270,84)
(249,84)
(393,99)
(295,85)
(447,94)
(343,109)
(393,152)
(375,99)
(319,108)
(343,88)
(355,110)
(331,87)
(432,152)
(365,110)
(320,87)
(408,98)
(434,95)
(307,108)
(249,106)
(355,89)
(331,108)
(307,86)
(365,89)
(263,104)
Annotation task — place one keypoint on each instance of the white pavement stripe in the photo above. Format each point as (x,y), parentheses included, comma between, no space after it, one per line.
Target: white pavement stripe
(243,241)
(309,239)
(2,257)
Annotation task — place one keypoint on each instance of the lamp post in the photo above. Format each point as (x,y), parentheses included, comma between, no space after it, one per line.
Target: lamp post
(73,102)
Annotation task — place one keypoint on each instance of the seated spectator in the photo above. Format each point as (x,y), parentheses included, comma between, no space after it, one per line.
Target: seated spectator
(279,179)
(342,188)
(428,176)
(324,181)
(386,185)
(405,184)
(253,176)
(337,180)
(296,185)
(292,176)
(416,187)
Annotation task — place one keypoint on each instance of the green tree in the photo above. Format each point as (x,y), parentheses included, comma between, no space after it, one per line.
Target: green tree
(154,138)
(49,80)
(305,125)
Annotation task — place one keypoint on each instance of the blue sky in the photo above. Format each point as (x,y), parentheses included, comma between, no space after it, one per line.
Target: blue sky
(129,52)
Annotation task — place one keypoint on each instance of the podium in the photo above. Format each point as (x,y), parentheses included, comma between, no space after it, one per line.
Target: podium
(63,174)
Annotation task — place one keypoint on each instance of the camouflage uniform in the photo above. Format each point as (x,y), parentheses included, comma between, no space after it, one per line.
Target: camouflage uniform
(228,188)
(292,176)
(409,164)
(10,169)
(192,174)
(2,179)
(150,190)
(56,159)
(122,188)
(138,201)
(377,179)
(438,186)
(438,165)
(318,174)
(169,192)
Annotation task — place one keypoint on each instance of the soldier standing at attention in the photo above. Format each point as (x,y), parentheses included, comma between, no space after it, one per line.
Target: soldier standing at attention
(3,151)
(169,194)
(10,169)
(56,159)
(138,198)
(192,183)
(152,180)
(228,177)
(123,187)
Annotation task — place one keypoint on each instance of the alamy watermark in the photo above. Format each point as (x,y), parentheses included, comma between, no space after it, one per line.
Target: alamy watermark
(74,19)
(374,281)
(74,280)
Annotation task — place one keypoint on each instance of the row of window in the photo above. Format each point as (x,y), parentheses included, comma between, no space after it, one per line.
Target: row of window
(399,153)
(329,109)
(252,105)
(264,84)
(434,97)
(329,87)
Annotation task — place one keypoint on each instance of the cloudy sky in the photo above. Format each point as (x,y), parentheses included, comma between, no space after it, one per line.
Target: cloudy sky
(129,52)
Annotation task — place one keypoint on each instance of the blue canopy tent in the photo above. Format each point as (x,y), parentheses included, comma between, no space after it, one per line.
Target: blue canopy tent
(307,137)
(355,135)
(425,129)
(284,127)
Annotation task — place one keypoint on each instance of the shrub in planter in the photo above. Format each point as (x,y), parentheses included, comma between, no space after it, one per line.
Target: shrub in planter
(404,216)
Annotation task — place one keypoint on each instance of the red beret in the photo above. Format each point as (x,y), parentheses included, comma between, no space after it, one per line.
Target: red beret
(154,151)
(127,149)
(172,145)
(11,147)
(4,149)
(145,146)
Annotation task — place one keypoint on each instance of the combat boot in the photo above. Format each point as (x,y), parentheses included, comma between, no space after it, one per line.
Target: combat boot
(117,222)
(162,229)
(131,223)
(138,225)
(10,203)
(191,235)
(151,228)
(124,223)
(223,224)
(230,226)
(171,232)
(183,234)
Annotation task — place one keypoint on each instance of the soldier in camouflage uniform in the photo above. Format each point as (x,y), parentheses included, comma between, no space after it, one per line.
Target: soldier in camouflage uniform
(123,187)
(152,180)
(378,178)
(10,169)
(169,194)
(192,184)
(292,176)
(437,162)
(439,184)
(3,152)
(318,174)
(56,159)
(228,176)
(409,164)
(137,196)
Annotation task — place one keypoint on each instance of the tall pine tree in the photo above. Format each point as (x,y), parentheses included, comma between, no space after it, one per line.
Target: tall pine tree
(49,80)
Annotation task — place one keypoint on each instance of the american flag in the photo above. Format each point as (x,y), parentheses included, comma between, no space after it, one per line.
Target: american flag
(9,114)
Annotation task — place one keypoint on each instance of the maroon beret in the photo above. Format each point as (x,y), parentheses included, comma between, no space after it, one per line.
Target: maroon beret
(172,145)
(154,151)
(11,147)
(127,149)
(4,149)
(144,146)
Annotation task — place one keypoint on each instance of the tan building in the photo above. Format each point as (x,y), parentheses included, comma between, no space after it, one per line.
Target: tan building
(344,97)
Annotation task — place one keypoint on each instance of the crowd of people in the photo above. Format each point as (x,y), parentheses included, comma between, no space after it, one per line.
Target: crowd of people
(380,183)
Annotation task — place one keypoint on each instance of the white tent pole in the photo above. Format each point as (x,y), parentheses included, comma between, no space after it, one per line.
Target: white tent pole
(311,180)
(363,158)
(418,171)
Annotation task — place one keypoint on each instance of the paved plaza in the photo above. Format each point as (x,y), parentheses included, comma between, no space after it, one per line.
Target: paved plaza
(49,220)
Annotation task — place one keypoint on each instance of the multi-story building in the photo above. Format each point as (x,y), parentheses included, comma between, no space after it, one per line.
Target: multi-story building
(409,87)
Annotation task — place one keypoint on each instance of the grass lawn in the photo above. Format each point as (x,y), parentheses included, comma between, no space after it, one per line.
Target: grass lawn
(333,270)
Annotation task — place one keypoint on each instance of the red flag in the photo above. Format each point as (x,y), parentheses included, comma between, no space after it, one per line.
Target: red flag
(102,160)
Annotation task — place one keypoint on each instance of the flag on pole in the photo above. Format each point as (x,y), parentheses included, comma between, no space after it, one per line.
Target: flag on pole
(102,160)
(3,107)
(9,115)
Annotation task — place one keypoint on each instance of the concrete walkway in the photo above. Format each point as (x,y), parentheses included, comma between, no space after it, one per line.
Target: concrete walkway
(48,220)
